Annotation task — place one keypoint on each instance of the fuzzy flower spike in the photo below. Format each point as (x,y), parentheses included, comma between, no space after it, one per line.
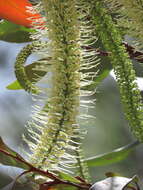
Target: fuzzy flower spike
(54,139)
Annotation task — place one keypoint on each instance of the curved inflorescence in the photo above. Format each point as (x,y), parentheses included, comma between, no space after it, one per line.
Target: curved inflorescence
(123,67)
(53,141)
(20,71)
(129,17)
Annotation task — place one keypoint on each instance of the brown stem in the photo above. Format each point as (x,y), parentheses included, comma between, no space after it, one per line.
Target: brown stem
(136,55)
(56,179)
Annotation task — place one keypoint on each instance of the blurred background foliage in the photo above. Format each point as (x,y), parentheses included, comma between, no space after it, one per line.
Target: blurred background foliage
(106,132)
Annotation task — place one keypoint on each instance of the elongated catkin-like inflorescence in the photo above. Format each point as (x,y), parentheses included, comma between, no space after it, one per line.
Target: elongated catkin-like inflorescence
(130,18)
(63,106)
(123,68)
(20,71)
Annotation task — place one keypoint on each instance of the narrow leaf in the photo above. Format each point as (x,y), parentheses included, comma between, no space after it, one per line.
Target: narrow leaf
(102,76)
(33,74)
(68,177)
(111,157)
(14,86)
(11,158)
(10,32)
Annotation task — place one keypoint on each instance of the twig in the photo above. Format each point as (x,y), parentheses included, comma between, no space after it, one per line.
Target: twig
(56,179)
(136,55)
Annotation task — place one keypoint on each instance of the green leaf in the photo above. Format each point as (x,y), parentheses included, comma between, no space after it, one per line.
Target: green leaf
(100,77)
(64,187)
(14,86)
(68,177)
(33,74)
(104,69)
(10,32)
(11,158)
(111,157)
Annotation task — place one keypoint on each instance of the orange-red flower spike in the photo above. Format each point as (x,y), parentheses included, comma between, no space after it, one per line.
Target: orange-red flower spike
(16,12)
